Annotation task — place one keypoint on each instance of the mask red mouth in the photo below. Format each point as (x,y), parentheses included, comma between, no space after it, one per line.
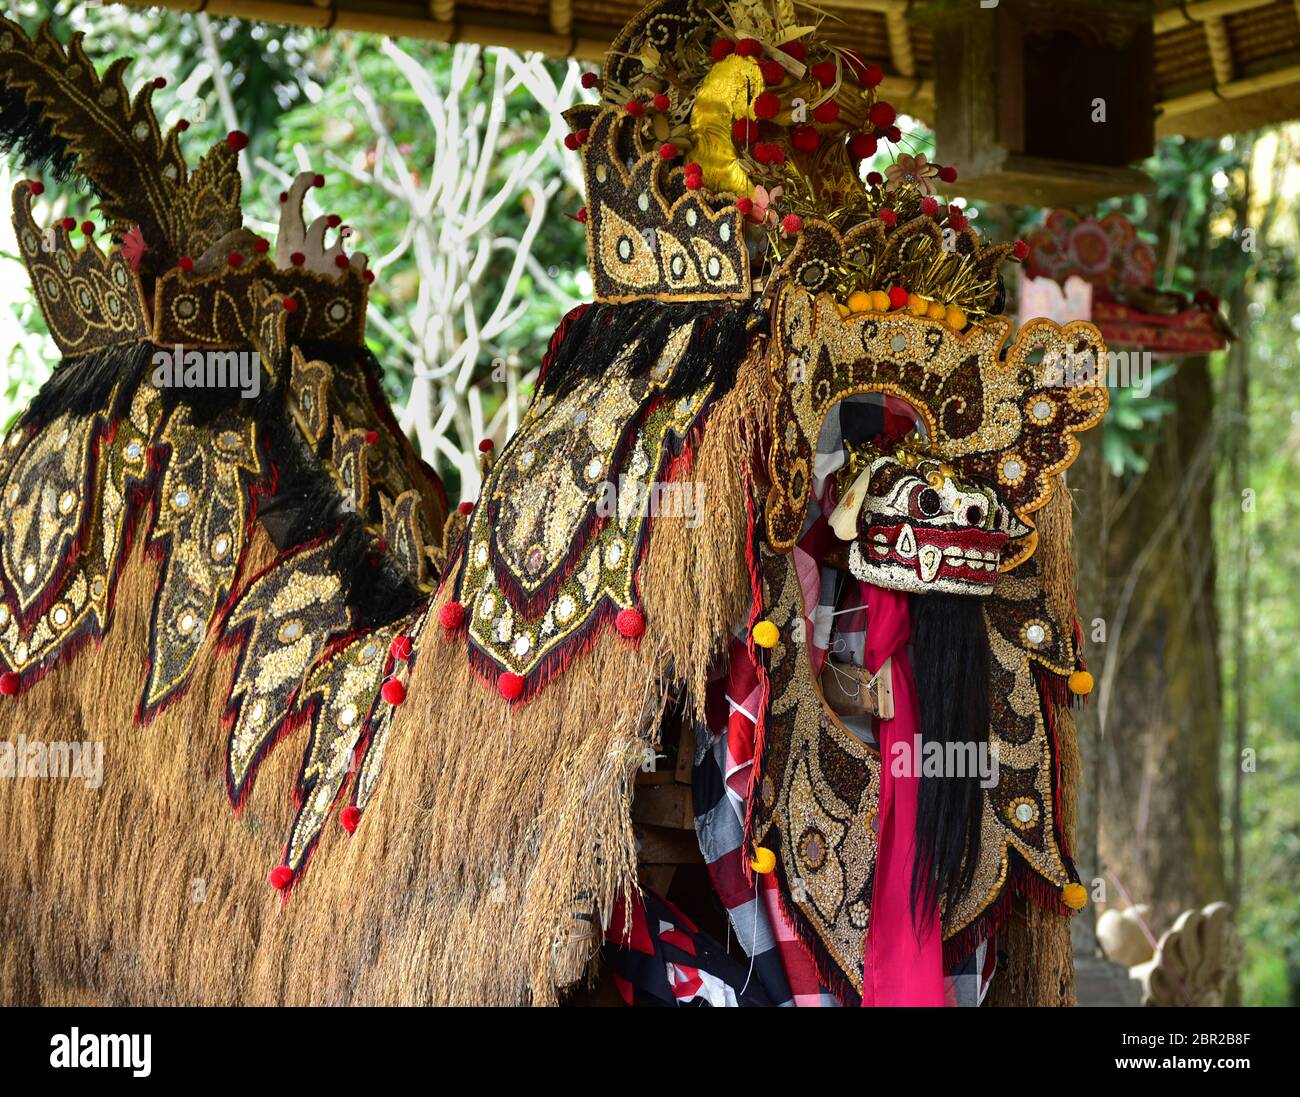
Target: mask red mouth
(936,558)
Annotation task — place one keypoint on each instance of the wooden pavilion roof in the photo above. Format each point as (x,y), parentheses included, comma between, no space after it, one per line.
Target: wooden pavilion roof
(1220,65)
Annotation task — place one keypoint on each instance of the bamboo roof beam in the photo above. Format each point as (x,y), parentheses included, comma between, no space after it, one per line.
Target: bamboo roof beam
(900,43)
(1234,89)
(443,11)
(1198,11)
(561,16)
(1216,40)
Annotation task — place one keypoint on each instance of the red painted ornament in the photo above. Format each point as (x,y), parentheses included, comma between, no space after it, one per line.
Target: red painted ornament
(510,686)
(281,877)
(451,616)
(10,684)
(393,692)
(349,818)
(237,140)
(630,623)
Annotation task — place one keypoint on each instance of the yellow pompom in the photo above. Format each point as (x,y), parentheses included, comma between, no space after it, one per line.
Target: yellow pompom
(842,309)
(937,311)
(918,304)
(859,301)
(1074,896)
(764,861)
(879,300)
(955,317)
(1080,683)
(766,634)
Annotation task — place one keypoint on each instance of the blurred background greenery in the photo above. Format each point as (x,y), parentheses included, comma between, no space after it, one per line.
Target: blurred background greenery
(462,310)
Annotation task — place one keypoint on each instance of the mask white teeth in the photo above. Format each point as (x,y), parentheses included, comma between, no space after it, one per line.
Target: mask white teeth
(927,563)
(905,546)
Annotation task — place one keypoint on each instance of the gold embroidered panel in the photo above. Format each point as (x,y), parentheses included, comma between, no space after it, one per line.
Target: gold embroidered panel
(202,530)
(558,530)
(1007,420)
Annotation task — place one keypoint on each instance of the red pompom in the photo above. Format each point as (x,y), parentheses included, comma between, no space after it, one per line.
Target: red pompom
(368,275)
(661,102)
(775,154)
(10,684)
(160,81)
(451,616)
(630,623)
(722,49)
(237,140)
(234,259)
(68,223)
(745,205)
(694,182)
(956,222)
(948,174)
(773,72)
(874,178)
(792,223)
(744,131)
(826,112)
(400,648)
(767,105)
(393,692)
(349,817)
(806,139)
(183,124)
(693,168)
(888,216)
(318,180)
(749,47)
(510,686)
(372,436)
(893,135)
(582,216)
(297,259)
(486,446)
(929,207)
(88,227)
(571,142)
(342,261)
(882,114)
(261,246)
(466,508)
(290,304)
(898,297)
(36,187)
(635,108)
(872,75)
(824,72)
(863,146)
(667,151)
(281,877)
(590,79)
(796,49)
(186,263)
(1021,250)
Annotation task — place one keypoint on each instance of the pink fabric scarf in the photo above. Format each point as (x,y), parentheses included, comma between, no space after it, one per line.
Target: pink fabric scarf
(903,962)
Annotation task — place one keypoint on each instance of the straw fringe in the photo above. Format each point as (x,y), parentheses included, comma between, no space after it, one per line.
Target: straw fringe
(489,824)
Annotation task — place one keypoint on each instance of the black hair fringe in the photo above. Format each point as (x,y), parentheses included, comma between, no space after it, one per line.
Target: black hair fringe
(83,385)
(602,332)
(950,661)
(28,136)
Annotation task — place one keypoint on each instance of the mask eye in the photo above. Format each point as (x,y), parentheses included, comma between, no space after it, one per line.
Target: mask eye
(974,515)
(926,502)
